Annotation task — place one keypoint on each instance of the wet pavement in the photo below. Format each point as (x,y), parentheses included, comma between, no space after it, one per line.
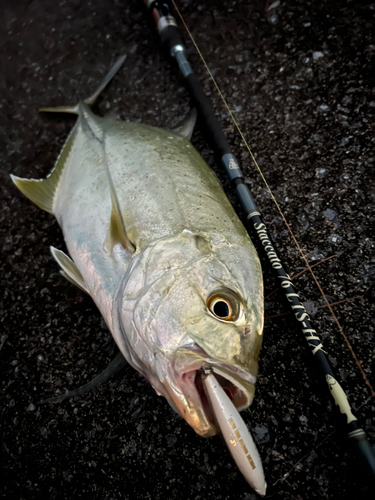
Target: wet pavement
(297,77)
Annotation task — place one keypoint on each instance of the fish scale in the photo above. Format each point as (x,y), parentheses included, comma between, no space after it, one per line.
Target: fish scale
(175,191)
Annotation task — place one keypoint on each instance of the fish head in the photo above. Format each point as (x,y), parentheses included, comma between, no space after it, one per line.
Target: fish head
(192,301)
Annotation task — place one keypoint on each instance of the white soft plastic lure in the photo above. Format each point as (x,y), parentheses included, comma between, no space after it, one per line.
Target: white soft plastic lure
(235,433)
(156,243)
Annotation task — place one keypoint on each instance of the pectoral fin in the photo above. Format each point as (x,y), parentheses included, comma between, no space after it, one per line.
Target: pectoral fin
(69,269)
(117,231)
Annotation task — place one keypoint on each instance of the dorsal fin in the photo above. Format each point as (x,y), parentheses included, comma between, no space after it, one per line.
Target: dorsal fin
(68,269)
(42,191)
(187,128)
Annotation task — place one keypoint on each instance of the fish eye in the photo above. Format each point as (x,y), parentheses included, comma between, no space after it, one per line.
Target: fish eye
(221,309)
(224,305)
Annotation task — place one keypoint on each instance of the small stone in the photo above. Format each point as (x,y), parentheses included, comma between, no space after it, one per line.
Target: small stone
(274,5)
(303,420)
(321,172)
(310,307)
(171,439)
(335,239)
(261,434)
(274,18)
(346,140)
(332,360)
(330,214)
(317,55)
(323,107)
(316,255)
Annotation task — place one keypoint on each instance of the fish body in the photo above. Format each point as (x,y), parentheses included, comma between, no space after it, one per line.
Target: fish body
(156,243)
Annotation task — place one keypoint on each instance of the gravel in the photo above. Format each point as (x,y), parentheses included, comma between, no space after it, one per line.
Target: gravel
(298,75)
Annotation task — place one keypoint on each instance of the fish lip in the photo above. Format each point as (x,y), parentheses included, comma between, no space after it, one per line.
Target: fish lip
(219,367)
(186,377)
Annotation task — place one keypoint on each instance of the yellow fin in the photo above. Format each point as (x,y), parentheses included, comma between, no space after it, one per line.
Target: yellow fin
(117,229)
(68,269)
(42,192)
(117,233)
(60,109)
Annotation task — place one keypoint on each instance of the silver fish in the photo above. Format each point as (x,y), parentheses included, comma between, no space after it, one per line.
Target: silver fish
(156,243)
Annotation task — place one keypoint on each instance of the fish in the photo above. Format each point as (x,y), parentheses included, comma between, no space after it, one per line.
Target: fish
(154,240)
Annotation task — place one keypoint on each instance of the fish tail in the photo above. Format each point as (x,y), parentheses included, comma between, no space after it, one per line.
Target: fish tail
(90,100)
(42,192)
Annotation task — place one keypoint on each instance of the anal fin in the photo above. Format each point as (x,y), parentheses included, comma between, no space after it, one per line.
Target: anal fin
(68,269)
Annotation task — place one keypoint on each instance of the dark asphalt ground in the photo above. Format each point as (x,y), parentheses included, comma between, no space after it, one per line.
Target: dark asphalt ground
(298,78)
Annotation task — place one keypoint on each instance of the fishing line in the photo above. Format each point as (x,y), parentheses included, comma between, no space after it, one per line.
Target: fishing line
(287,474)
(314,265)
(300,274)
(318,307)
(277,205)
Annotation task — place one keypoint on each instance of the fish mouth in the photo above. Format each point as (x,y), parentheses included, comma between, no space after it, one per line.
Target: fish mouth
(189,396)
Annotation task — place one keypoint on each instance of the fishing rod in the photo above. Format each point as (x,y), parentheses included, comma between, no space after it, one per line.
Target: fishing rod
(167,27)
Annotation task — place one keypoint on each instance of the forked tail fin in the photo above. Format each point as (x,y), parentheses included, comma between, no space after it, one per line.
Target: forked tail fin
(90,100)
(42,192)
